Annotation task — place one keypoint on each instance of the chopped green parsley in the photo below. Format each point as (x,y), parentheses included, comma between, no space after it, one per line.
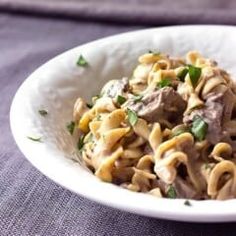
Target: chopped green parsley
(81,61)
(132,117)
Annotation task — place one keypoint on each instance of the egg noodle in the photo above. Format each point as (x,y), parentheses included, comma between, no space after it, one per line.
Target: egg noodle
(168,130)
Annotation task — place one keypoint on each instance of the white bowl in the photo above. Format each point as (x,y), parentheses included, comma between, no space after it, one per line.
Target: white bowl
(55,87)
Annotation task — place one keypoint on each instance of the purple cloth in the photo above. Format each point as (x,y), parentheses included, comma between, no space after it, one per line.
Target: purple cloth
(30,203)
(150,12)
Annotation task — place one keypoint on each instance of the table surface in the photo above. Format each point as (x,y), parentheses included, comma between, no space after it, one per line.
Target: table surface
(30,203)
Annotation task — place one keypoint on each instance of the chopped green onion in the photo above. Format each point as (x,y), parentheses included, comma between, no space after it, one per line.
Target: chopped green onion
(81,61)
(70,127)
(138,98)
(35,139)
(181,75)
(187,203)
(132,117)
(43,112)
(120,99)
(164,83)
(194,74)
(199,128)
(80,144)
(89,105)
(171,193)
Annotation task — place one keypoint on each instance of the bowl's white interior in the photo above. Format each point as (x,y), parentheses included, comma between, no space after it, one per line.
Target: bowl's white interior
(56,85)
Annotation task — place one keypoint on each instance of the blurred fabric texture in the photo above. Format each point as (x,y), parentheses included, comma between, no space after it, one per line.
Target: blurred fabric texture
(149,12)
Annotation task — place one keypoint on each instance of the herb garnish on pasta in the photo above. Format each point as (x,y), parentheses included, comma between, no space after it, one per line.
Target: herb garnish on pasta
(168,131)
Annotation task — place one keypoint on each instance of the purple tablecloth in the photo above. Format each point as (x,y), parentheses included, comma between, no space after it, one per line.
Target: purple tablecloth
(30,203)
(149,12)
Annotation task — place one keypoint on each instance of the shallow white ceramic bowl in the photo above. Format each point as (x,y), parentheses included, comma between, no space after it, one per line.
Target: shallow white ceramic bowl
(55,87)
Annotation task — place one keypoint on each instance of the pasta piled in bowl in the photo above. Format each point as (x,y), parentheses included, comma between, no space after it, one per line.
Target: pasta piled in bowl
(168,130)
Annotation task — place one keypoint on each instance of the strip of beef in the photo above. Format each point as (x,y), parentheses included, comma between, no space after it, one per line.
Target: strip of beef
(218,109)
(116,87)
(228,101)
(162,104)
(182,188)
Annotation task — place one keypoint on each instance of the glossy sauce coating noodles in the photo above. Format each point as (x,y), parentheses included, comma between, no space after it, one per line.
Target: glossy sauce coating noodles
(169,130)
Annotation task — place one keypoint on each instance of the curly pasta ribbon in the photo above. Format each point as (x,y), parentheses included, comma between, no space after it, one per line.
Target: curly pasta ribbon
(215,175)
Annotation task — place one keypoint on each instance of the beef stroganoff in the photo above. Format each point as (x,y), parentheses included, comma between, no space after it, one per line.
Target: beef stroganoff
(169,130)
